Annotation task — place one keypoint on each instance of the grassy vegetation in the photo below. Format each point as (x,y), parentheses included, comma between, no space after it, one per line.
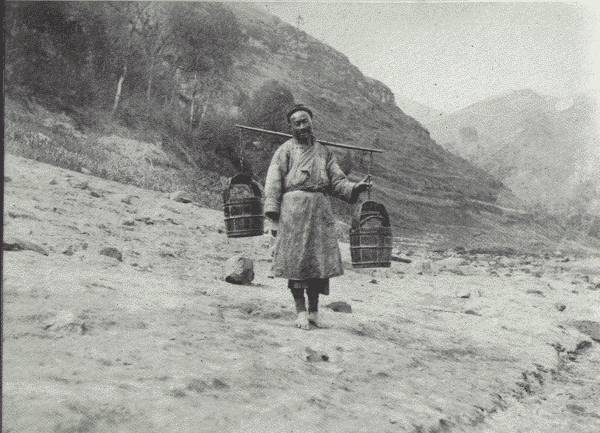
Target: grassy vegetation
(109,151)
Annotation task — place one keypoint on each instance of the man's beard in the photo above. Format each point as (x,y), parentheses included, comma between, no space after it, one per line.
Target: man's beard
(302,135)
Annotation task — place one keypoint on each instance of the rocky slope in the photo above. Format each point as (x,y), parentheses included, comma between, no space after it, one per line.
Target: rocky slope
(116,318)
(547,150)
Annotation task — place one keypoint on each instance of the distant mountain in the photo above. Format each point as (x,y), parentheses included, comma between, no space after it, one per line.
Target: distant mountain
(545,149)
(424,114)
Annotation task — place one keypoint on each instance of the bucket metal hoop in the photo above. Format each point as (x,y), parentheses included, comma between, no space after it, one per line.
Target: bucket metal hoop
(243,215)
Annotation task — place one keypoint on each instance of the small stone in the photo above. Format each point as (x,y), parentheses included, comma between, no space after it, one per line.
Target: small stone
(219,384)
(69,251)
(374,281)
(65,321)
(588,327)
(464,294)
(95,194)
(53,182)
(535,292)
(128,198)
(426,268)
(472,312)
(396,258)
(238,270)
(340,307)
(181,197)
(112,252)
(560,307)
(314,356)
(80,185)
(7,179)
(128,223)
(85,171)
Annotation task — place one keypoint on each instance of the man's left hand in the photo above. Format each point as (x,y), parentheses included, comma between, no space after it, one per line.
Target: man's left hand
(363,185)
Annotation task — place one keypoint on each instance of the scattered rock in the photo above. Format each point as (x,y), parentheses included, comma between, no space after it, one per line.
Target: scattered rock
(560,307)
(494,251)
(535,292)
(588,327)
(85,171)
(95,194)
(80,185)
(128,198)
(426,267)
(465,294)
(146,220)
(69,251)
(112,252)
(594,287)
(340,307)
(66,321)
(197,386)
(374,281)
(128,223)
(472,312)
(53,182)
(396,258)
(219,384)
(22,245)
(238,270)
(314,356)
(181,197)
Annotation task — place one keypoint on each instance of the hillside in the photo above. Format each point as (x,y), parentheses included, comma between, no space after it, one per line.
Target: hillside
(545,149)
(217,59)
(116,318)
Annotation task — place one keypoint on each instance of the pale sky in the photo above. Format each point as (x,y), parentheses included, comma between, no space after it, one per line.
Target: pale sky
(449,55)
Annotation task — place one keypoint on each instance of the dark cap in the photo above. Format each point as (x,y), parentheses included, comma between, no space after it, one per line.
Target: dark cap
(299,107)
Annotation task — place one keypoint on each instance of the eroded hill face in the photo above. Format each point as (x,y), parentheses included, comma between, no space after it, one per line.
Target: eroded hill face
(547,150)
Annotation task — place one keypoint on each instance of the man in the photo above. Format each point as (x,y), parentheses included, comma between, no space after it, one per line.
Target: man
(302,174)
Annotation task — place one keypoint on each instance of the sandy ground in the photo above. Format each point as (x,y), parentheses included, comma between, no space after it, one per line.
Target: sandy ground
(158,342)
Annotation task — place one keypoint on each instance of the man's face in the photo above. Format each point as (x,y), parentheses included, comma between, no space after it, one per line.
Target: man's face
(301,125)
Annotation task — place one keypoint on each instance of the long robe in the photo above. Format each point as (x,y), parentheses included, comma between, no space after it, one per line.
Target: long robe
(299,181)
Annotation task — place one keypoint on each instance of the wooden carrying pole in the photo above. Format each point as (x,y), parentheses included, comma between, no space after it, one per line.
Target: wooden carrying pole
(327,143)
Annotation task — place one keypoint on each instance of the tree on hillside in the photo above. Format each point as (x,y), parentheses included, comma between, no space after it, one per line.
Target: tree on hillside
(206,37)
(268,106)
(266,109)
(47,51)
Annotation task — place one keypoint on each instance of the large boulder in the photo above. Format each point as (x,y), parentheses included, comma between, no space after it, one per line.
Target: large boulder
(239,270)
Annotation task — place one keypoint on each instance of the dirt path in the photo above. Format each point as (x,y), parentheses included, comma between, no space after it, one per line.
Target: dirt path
(158,342)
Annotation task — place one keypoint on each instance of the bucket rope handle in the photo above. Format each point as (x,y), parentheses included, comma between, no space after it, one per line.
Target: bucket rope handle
(369,175)
(242,179)
(241,149)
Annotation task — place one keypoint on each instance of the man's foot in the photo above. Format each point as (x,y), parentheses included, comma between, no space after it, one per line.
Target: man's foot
(316,320)
(302,321)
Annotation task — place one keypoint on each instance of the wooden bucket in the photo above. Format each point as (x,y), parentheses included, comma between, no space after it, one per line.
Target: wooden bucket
(243,215)
(371,236)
